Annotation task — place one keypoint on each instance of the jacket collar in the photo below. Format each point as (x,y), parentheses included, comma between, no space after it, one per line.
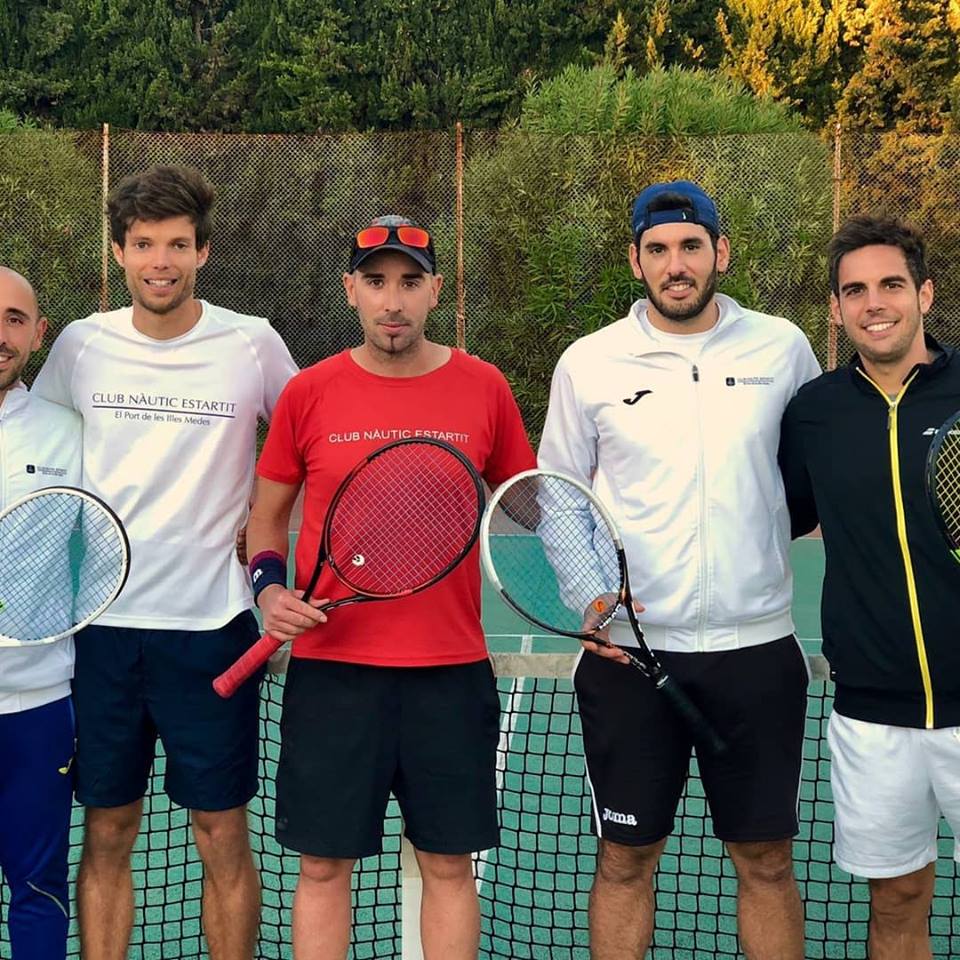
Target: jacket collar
(944,356)
(730,312)
(15,399)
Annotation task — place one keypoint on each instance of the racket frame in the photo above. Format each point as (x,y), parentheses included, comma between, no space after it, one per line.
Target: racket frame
(260,652)
(950,426)
(123,540)
(643,659)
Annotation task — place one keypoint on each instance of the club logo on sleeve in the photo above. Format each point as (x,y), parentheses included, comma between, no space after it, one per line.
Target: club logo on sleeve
(614,816)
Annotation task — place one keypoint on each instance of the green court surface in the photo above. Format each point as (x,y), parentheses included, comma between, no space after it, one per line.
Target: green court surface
(534,887)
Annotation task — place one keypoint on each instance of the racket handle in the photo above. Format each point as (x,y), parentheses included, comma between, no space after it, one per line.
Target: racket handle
(690,713)
(246,666)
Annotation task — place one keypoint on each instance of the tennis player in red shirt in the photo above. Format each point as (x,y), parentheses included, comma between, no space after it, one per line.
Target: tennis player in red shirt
(398,695)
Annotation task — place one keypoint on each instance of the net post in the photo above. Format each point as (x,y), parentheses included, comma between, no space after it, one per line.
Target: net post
(105,221)
(411,896)
(837,173)
(461,286)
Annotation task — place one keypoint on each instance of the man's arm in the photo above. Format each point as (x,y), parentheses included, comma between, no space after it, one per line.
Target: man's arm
(796,479)
(285,615)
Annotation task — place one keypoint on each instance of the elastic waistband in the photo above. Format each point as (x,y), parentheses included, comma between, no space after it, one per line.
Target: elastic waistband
(712,639)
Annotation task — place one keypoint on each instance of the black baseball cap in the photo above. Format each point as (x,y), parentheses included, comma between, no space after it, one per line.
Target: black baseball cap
(393,232)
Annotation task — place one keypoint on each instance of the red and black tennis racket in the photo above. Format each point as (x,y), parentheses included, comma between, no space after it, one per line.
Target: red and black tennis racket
(401,520)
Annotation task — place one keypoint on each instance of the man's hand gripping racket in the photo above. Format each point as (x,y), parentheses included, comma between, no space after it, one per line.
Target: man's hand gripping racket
(553,551)
(401,520)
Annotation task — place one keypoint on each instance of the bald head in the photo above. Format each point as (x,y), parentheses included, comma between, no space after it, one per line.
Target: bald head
(21,326)
(21,288)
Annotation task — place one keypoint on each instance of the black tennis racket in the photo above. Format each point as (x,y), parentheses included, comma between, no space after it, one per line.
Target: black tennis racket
(942,481)
(401,520)
(64,557)
(553,551)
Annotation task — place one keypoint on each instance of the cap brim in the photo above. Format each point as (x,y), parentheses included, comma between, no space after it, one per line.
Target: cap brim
(418,255)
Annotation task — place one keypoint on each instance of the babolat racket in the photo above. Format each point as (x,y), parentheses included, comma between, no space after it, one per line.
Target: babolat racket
(553,552)
(401,520)
(943,482)
(64,557)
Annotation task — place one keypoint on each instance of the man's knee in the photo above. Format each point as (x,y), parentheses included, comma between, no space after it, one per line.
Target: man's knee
(445,868)
(111,832)
(766,864)
(221,833)
(621,864)
(325,870)
(899,899)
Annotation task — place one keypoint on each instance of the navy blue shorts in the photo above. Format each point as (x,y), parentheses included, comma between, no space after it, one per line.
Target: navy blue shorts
(132,685)
(351,734)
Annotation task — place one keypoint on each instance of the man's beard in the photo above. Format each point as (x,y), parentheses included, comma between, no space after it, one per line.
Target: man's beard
(685,311)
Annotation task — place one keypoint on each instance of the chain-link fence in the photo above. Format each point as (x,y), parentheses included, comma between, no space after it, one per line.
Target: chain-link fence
(531,230)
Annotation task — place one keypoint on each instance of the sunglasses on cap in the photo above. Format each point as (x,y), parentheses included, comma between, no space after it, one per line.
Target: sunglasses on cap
(409,236)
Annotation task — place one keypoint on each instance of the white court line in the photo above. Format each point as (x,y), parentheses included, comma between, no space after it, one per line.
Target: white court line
(507,729)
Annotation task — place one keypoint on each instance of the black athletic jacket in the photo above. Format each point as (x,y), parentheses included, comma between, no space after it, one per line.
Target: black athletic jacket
(854,460)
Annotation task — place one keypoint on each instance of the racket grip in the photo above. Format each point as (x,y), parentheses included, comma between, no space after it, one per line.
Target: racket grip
(690,713)
(227,684)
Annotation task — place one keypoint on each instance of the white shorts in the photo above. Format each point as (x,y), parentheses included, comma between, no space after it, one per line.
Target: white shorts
(890,786)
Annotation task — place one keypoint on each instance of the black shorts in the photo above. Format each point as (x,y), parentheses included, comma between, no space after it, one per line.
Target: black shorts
(638,751)
(131,685)
(351,734)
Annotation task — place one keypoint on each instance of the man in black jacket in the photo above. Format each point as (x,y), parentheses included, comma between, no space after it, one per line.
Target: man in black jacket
(853,448)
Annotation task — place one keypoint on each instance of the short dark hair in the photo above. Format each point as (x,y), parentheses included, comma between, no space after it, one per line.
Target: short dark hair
(671,200)
(159,193)
(873,230)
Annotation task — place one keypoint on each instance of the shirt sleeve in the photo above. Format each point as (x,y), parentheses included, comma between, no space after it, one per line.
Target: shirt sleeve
(281,459)
(569,441)
(796,479)
(54,382)
(277,366)
(807,367)
(511,452)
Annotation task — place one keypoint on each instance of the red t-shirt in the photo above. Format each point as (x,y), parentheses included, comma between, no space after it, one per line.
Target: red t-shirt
(329,418)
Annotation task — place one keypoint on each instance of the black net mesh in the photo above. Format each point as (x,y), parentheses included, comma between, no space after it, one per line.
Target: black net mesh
(534,887)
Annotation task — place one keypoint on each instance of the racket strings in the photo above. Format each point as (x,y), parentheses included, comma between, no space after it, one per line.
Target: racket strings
(63,560)
(554,554)
(947,483)
(405,519)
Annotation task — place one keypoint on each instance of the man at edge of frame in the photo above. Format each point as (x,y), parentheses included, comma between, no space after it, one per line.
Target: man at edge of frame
(853,453)
(170,390)
(397,695)
(38,440)
(672,416)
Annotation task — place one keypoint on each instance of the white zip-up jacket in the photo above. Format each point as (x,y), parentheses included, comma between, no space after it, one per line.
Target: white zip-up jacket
(40,446)
(679,438)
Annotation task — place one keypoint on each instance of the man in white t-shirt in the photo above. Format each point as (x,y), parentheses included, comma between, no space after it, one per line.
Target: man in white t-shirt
(170,391)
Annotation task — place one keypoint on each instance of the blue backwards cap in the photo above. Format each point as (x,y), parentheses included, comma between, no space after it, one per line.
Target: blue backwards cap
(696,207)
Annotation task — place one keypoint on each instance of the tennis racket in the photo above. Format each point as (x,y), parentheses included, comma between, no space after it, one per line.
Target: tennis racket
(65,557)
(401,520)
(942,482)
(553,552)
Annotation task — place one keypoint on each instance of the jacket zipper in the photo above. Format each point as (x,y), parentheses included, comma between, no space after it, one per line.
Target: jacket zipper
(893,406)
(702,526)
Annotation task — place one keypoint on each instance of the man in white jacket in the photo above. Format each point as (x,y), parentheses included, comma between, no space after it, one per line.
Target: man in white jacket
(40,445)
(672,414)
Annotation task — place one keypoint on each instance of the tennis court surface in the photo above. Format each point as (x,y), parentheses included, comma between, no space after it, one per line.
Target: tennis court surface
(534,887)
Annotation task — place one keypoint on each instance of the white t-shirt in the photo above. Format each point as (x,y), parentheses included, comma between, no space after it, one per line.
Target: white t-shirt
(169,442)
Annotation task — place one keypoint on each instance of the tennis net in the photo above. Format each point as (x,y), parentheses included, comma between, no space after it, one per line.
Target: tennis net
(534,887)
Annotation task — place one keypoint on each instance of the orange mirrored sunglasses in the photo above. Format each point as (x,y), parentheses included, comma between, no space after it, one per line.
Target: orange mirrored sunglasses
(370,237)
